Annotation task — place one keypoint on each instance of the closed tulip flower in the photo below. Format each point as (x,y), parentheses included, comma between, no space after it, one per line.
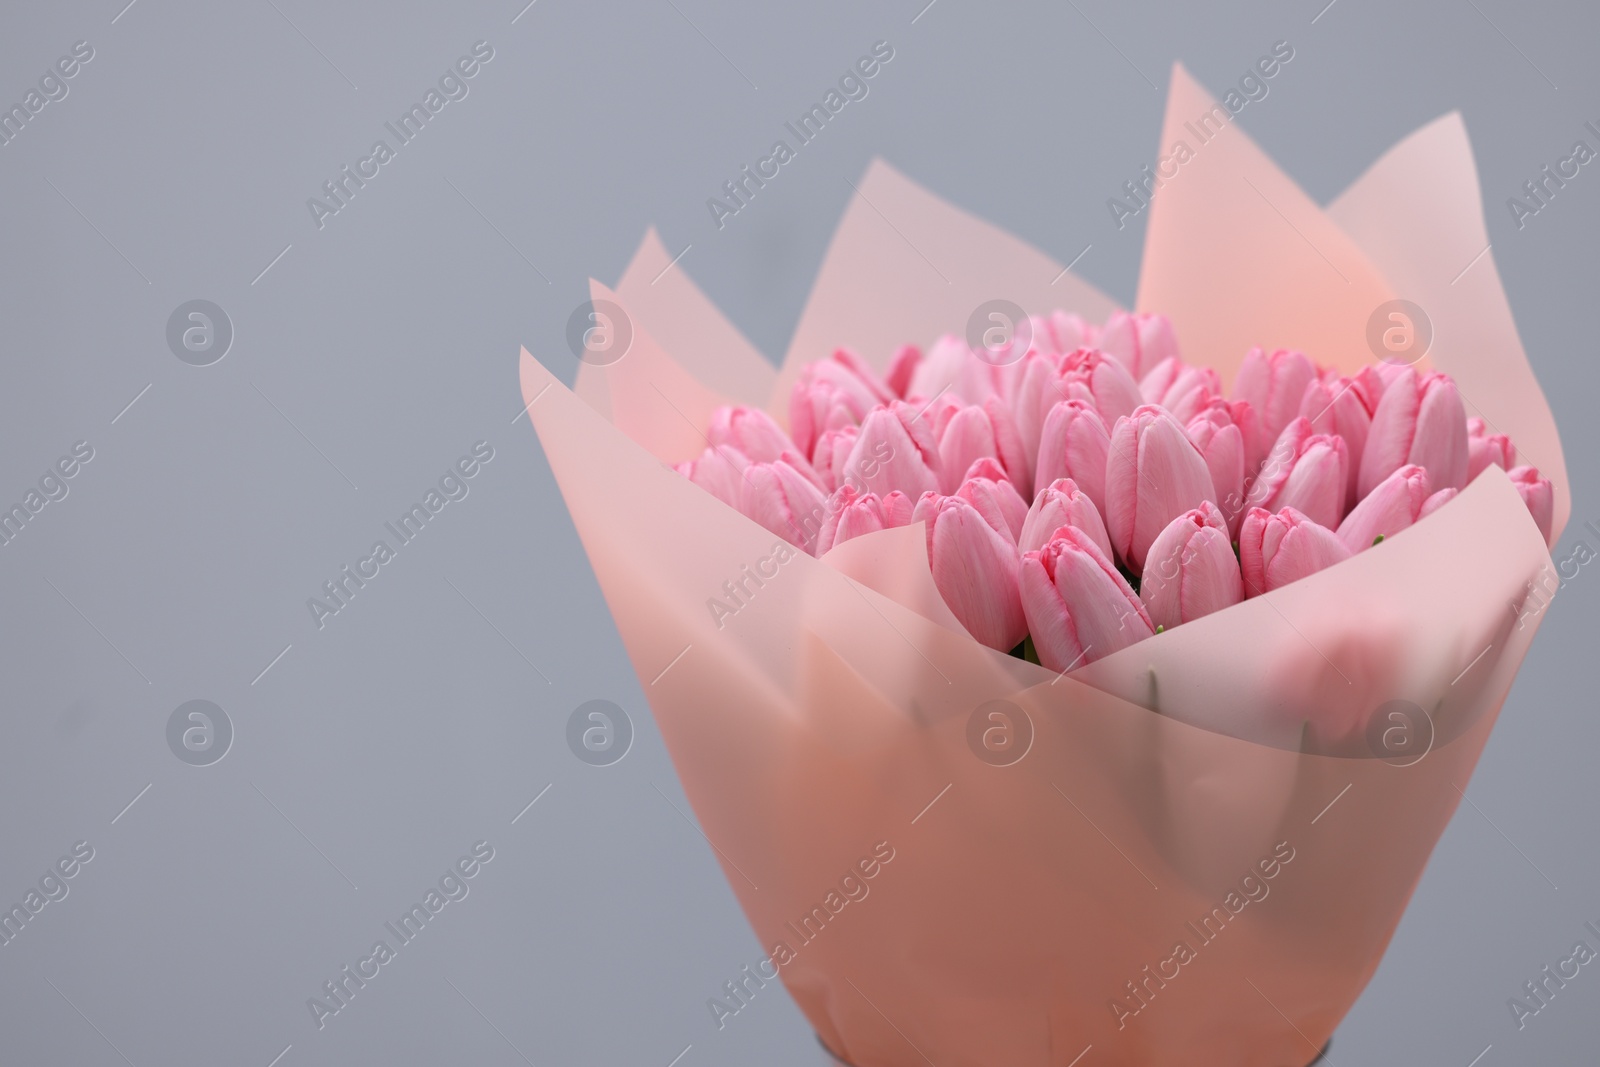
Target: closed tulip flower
(975,569)
(1538,495)
(750,430)
(1074,444)
(976,432)
(897,379)
(1153,474)
(832,393)
(1393,504)
(1485,449)
(1181,389)
(855,513)
(1274,384)
(1078,606)
(1138,341)
(1091,375)
(1062,503)
(1221,443)
(894,450)
(1275,550)
(987,488)
(1419,420)
(785,501)
(720,472)
(1191,569)
(1306,471)
(1335,404)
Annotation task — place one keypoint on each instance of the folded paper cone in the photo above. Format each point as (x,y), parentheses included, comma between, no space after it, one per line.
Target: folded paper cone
(955,856)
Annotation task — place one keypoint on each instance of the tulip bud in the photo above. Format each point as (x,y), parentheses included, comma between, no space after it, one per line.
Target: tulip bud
(831,455)
(854,513)
(750,430)
(1069,332)
(1153,475)
(720,472)
(1181,389)
(831,393)
(1537,493)
(1073,444)
(901,369)
(1334,404)
(1485,449)
(1062,503)
(950,364)
(987,488)
(1437,501)
(975,569)
(1393,504)
(1191,569)
(1078,606)
(973,433)
(1139,341)
(1275,550)
(1274,385)
(785,501)
(894,450)
(1091,375)
(1221,443)
(1419,420)
(1305,471)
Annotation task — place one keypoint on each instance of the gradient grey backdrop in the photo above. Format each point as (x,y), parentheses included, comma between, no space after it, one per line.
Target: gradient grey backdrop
(378,349)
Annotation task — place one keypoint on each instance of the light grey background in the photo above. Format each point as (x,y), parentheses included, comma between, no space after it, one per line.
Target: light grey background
(429,712)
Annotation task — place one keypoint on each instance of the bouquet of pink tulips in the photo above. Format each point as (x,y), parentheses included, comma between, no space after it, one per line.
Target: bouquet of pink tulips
(1157,677)
(1094,489)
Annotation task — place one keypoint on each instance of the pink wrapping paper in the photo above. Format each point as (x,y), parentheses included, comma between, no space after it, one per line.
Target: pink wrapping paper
(1032,912)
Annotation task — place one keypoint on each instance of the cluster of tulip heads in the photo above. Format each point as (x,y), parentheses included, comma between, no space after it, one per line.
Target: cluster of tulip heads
(1098,489)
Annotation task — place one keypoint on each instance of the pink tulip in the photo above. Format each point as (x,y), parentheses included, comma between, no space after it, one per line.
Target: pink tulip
(785,501)
(1062,503)
(975,569)
(831,393)
(1275,550)
(750,430)
(1393,504)
(1338,405)
(975,432)
(1274,385)
(1034,392)
(1437,501)
(1485,449)
(894,450)
(831,455)
(720,472)
(1067,332)
(1191,569)
(950,365)
(1077,605)
(1419,420)
(854,513)
(1139,341)
(1538,494)
(1073,444)
(1153,475)
(1091,375)
(897,379)
(987,488)
(1221,443)
(1305,471)
(1181,389)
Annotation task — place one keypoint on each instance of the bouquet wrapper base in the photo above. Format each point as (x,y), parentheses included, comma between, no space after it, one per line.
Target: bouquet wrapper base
(1192,851)
(1032,910)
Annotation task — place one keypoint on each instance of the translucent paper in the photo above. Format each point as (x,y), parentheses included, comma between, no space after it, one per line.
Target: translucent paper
(1187,852)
